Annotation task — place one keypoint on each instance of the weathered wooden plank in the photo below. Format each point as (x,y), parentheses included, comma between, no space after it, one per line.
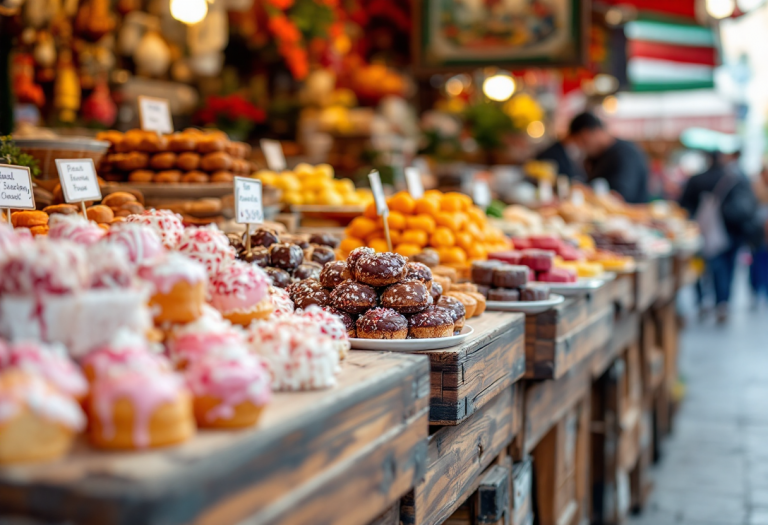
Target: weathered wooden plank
(623,288)
(467,376)
(457,457)
(551,358)
(646,284)
(492,504)
(626,329)
(342,455)
(390,517)
(547,401)
(522,492)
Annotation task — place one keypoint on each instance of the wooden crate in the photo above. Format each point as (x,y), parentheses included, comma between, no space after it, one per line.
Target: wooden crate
(458,456)
(522,492)
(626,329)
(467,376)
(646,284)
(560,462)
(342,456)
(623,288)
(558,339)
(665,272)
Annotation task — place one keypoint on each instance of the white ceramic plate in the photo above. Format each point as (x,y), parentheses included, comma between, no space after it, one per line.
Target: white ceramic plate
(583,286)
(409,345)
(526,307)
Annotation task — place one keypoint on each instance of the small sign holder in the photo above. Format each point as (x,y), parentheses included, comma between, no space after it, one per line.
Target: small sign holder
(413,181)
(248,206)
(78,181)
(155,115)
(381,203)
(16,189)
(273,152)
(481,194)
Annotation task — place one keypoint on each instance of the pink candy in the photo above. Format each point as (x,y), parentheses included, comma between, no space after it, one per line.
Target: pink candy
(167,224)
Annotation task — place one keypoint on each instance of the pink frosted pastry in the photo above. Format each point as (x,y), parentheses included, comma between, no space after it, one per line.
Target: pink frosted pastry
(126,352)
(109,266)
(45,266)
(51,363)
(207,245)
(178,285)
(139,409)
(38,422)
(205,337)
(141,242)
(330,325)
(281,300)
(74,228)
(228,393)
(240,292)
(11,239)
(297,354)
(167,224)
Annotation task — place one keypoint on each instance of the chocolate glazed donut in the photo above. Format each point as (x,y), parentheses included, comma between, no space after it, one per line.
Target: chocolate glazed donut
(380,269)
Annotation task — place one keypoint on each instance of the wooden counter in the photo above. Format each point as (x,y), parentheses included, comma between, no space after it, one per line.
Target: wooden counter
(338,456)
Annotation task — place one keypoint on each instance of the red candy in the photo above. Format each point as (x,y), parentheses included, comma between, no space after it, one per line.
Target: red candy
(539,260)
(570,253)
(558,275)
(521,243)
(545,242)
(509,257)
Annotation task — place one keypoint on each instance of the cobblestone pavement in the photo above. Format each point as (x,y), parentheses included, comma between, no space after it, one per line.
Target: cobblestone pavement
(714,469)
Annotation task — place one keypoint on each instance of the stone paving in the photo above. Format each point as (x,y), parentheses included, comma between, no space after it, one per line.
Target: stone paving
(714,469)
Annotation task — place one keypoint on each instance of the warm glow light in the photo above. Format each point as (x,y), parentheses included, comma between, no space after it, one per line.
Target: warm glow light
(454,87)
(536,129)
(610,105)
(189,11)
(720,8)
(499,87)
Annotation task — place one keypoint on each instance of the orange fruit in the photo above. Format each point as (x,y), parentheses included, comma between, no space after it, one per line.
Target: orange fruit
(407,250)
(421,222)
(443,237)
(449,219)
(477,251)
(380,245)
(450,202)
(378,233)
(349,244)
(427,206)
(370,211)
(452,255)
(433,194)
(394,236)
(465,240)
(472,229)
(476,215)
(417,237)
(396,220)
(402,202)
(362,227)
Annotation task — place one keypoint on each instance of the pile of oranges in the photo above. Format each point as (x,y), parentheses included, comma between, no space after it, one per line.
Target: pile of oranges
(448,223)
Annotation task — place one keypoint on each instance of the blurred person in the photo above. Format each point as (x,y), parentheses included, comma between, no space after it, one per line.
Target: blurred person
(758,270)
(722,201)
(559,152)
(618,161)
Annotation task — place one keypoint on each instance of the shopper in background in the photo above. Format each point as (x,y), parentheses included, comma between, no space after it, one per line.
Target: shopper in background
(559,152)
(758,270)
(619,162)
(722,201)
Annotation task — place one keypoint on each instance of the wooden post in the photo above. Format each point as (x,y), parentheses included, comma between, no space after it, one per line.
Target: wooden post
(82,207)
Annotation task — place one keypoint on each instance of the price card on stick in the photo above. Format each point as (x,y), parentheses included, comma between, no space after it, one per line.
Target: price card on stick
(413,181)
(248,206)
(273,152)
(15,189)
(78,180)
(155,115)
(481,194)
(381,203)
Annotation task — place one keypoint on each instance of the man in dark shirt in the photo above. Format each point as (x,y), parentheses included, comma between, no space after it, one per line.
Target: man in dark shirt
(558,152)
(619,162)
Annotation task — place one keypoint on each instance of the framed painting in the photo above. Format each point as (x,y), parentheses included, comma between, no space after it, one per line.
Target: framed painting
(455,35)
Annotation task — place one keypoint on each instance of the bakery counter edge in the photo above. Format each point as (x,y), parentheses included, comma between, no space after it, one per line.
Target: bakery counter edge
(337,456)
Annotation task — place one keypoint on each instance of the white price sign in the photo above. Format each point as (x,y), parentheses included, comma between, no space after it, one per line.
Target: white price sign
(155,115)
(248,206)
(413,181)
(78,180)
(601,188)
(577,197)
(273,152)
(16,188)
(481,194)
(378,193)
(545,191)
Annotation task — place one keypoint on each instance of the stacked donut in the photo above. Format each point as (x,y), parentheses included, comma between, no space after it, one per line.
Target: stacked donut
(189,156)
(286,258)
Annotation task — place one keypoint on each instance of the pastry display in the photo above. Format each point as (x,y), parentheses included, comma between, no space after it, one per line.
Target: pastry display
(354,297)
(502,295)
(407,297)
(141,244)
(49,362)
(334,273)
(379,269)
(308,292)
(455,309)
(167,224)
(333,324)
(74,228)
(382,323)
(207,245)
(429,323)
(533,292)
(558,275)
(469,302)
(179,288)
(239,292)
(170,158)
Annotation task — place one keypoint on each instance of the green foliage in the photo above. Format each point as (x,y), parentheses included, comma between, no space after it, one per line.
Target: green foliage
(312,18)
(11,154)
(488,124)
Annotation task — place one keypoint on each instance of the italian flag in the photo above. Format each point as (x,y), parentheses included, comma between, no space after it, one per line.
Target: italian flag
(665,56)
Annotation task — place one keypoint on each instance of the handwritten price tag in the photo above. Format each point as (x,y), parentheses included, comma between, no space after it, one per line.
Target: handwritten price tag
(378,193)
(413,181)
(273,151)
(248,206)
(78,180)
(155,115)
(16,188)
